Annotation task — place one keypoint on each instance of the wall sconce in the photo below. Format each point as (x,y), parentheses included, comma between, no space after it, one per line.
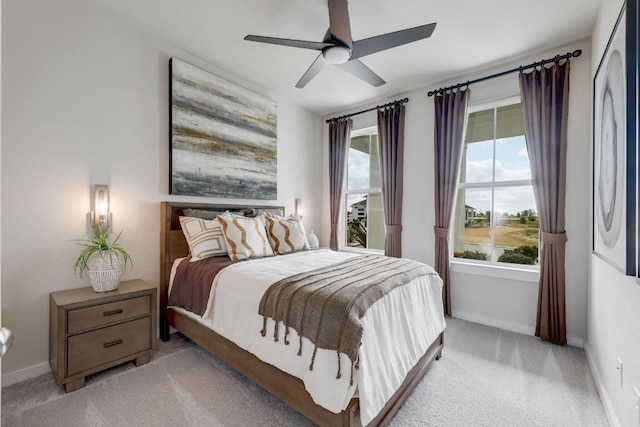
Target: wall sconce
(100,216)
(298,207)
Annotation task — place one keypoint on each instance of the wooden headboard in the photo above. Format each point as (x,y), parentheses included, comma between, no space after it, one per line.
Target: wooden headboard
(173,244)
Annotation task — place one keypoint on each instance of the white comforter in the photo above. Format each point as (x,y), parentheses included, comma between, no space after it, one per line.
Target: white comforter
(397,330)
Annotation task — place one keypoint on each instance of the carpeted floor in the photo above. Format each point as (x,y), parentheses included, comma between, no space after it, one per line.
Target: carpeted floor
(486,377)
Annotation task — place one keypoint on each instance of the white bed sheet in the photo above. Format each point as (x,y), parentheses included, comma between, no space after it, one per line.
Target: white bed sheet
(395,333)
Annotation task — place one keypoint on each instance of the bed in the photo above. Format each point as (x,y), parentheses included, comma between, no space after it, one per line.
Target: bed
(285,386)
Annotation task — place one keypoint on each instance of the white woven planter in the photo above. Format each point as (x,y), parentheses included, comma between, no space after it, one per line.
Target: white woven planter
(105,268)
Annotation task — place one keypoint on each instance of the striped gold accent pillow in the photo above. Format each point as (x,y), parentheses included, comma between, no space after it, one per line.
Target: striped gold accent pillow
(245,237)
(286,234)
(204,237)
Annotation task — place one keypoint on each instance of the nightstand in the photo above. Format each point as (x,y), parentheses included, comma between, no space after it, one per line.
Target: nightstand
(90,331)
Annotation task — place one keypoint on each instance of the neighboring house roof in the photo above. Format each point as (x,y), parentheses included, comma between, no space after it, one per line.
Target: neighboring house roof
(360,204)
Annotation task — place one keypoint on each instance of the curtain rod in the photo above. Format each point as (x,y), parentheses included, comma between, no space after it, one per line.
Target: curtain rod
(396,102)
(521,68)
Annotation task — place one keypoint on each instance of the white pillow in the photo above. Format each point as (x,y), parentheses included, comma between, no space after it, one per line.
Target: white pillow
(204,237)
(245,237)
(286,234)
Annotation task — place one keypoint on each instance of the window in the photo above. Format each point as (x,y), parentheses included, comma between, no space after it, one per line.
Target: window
(364,217)
(495,218)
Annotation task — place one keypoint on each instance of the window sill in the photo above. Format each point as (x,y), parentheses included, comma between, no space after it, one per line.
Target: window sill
(493,270)
(363,251)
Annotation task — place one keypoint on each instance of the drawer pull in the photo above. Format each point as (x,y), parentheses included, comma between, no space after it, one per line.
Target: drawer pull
(112,343)
(112,312)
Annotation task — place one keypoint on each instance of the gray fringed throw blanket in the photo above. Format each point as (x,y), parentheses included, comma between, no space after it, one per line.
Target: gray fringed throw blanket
(326,305)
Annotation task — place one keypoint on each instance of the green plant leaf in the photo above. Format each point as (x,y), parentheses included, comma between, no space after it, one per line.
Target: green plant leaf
(99,243)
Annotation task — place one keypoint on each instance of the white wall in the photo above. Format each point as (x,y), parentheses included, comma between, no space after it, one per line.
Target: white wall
(85,101)
(613,308)
(497,301)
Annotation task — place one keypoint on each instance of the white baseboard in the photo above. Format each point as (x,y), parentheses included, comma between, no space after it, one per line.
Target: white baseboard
(510,326)
(602,391)
(36,370)
(25,374)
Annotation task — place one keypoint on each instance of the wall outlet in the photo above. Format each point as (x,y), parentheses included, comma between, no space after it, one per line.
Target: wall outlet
(619,368)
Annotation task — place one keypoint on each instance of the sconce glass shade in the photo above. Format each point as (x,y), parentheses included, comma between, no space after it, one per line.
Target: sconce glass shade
(100,217)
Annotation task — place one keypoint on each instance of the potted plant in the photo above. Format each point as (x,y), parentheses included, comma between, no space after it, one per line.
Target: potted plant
(103,261)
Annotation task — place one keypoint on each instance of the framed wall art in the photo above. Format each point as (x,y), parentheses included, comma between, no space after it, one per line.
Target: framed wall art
(223,137)
(615,146)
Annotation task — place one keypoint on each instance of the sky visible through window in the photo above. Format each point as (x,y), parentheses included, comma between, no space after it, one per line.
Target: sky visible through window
(511,164)
(358,176)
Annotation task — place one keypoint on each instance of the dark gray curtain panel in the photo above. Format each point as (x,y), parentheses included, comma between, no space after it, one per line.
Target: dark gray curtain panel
(391,143)
(545,100)
(450,126)
(339,137)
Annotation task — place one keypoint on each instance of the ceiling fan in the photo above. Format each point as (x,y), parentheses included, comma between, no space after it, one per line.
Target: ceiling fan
(339,49)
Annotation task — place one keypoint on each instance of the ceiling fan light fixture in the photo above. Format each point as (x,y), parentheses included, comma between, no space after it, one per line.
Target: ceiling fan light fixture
(337,54)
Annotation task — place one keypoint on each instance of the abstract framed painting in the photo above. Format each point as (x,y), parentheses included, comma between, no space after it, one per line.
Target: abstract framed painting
(615,146)
(223,137)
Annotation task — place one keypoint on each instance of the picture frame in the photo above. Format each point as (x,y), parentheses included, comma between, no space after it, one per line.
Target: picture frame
(223,137)
(615,146)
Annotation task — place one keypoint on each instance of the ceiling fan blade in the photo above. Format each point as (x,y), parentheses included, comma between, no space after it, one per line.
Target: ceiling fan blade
(339,25)
(382,42)
(303,44)
(362,72)
(313,70)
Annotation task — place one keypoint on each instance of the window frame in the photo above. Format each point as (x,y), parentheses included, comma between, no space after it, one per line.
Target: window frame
(369,130)
(492,268)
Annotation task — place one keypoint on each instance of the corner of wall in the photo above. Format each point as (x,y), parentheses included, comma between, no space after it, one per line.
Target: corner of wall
(602,391)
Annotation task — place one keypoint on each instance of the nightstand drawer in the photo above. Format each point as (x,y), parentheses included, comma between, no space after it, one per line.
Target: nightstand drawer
(104,345)
(104,314)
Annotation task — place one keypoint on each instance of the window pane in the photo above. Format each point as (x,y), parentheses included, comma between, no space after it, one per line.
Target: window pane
(509,121)
(356,220)
(365,221)
(496,223)
(472,232)
(374,165)
(480,126)
(512,160)
(477,163)
(358,165)
(375,226)
(364,163)
(516,226)
(477,160)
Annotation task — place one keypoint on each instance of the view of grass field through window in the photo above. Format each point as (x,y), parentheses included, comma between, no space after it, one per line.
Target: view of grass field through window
(495,217)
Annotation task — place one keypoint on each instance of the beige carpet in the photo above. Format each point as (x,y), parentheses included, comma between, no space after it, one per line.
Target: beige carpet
(486,377)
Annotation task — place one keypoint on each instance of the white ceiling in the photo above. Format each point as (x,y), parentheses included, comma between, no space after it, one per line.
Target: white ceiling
(470,34)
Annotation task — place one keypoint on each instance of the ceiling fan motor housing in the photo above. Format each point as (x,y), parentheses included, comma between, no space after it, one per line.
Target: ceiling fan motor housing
(336,54)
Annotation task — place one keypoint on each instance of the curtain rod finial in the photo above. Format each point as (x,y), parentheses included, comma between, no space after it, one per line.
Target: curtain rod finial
(576,53)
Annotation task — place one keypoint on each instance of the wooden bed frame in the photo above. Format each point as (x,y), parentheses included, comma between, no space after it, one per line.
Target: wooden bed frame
(282,385)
